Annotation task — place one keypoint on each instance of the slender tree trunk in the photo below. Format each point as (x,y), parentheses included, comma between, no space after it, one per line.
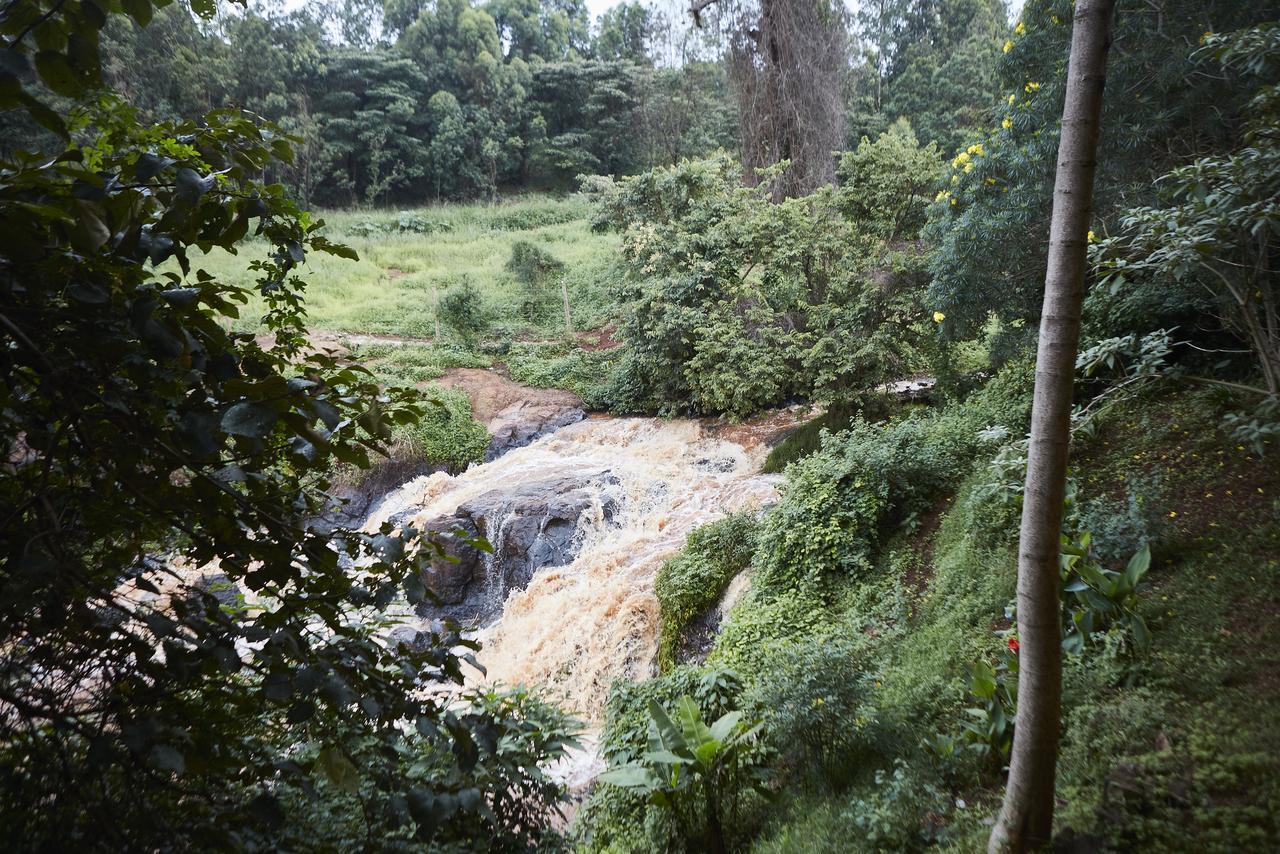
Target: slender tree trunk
(1026,818)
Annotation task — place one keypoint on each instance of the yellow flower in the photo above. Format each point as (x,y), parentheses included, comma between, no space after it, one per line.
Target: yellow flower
(938,317)
(1091,236)
(1012,98)
(1031,87)
(1055,19)
(1006,124)
(1020,30)
(976,149)
(953,201)
(1205,36)
(968,167)
(1173,514)
(942,194)
(1008,46)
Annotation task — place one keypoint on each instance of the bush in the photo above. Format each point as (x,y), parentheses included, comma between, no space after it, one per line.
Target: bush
(528,217)
(1121,526)
(838,502)
(760,625)
(815,700)
(462,310)
(615,819)
(691,582)
(532,268)
(405,222)
(586,373)
(523,732)
(447,435)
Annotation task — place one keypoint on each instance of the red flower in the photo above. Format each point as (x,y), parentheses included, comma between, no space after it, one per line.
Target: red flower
(1013,644)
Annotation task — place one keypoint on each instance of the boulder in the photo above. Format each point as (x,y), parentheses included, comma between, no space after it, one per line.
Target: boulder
(530,528)
(523,422)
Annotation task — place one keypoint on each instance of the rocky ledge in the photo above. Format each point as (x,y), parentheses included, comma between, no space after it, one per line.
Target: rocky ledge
(531,528)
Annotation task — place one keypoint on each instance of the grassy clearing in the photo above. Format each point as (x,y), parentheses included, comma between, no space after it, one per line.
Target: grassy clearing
(391,289)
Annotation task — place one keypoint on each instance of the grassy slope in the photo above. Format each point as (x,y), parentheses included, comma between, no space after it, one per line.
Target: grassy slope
(1176,751)
(389,291)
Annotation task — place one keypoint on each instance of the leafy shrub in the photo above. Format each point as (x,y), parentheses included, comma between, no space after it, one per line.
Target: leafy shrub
(691,582)
(815,699)
(906,811)
(1120,526)
(1098,601)
(617,819)
(732,303)
(1258,427)
(887,185)
(462,310)
(532,268)
(586,373)
(521,732)
(761,625)
(448,435)
(527,217)
(989,727)
(406,222)
(838,502)
(696,772)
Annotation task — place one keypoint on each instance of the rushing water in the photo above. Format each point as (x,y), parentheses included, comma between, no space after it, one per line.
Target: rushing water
(576,628)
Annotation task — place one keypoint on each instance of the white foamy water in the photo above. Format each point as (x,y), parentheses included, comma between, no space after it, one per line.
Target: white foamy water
(578,627)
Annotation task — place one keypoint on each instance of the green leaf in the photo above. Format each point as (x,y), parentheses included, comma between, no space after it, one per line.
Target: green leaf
(139,10)
(628,776)
(1138,566)
(983,683)
(254,420)
(44,116)
(724,726)
(191,186)
(204,8)
(58,74)
(1141,635)
(339,771)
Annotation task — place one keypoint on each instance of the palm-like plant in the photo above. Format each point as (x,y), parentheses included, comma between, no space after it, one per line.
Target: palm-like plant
(692,769)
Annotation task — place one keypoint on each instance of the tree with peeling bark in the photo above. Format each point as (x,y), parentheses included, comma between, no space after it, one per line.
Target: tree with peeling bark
(788,61)
(1026,817)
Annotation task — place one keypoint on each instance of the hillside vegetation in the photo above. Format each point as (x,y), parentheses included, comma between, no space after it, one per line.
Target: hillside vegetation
(195,648)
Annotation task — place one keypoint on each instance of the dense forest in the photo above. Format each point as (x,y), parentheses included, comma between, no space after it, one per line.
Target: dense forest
(727,425)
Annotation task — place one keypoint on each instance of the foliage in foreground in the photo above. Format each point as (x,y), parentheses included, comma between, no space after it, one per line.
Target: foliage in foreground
(143,440)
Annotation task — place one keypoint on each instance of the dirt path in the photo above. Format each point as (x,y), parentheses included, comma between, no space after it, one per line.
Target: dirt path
(491,392)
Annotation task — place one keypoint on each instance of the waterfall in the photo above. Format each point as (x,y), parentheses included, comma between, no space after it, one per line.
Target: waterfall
(578,626)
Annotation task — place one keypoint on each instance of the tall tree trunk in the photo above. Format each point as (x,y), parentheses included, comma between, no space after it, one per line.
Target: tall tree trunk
(1026,818)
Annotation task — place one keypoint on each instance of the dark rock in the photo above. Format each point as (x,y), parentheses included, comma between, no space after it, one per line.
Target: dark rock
(408,636)
(698,636)
(522,423)
(349,505)
(529,529)
(720,464)
(223,589)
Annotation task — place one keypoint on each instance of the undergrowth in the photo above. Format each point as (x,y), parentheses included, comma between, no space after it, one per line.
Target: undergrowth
(862,668)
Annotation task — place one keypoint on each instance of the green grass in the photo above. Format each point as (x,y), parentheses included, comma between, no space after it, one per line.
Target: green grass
(391,289)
